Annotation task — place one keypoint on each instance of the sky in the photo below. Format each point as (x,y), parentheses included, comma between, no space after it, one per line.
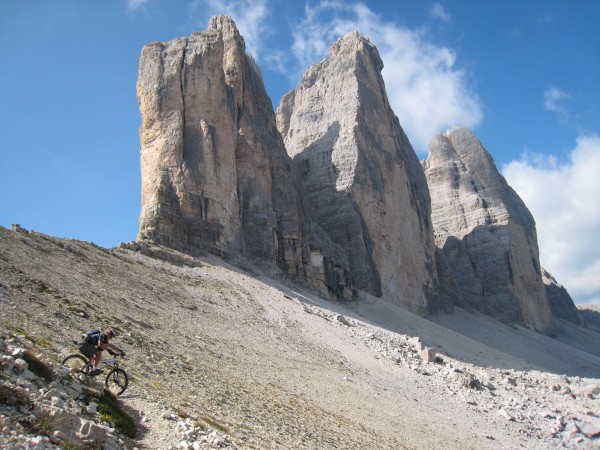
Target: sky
(524,76)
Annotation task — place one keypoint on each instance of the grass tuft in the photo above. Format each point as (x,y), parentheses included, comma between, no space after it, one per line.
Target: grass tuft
(12,397)
(110,410)
(207,421)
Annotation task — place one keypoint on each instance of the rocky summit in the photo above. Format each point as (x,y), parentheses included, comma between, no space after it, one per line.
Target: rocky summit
(361,174)
(328,190)
(485,232)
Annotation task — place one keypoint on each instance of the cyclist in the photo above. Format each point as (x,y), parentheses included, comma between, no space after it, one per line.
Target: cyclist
(94,345)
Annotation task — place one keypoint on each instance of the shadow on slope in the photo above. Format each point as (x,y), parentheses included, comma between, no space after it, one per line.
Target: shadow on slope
(480,339)
(591,315)
(585,339)
(571,352)
(71,275)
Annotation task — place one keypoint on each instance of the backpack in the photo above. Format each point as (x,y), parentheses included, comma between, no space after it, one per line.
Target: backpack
(91,337)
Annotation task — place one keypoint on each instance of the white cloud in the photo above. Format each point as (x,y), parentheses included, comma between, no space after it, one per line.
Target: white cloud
(437,11)
(564,199)
(553,99)
(544,20)
(427,92)
(248,15)
(515,34)
(132,5)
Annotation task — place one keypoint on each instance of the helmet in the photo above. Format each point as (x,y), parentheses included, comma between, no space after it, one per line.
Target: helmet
(110,332)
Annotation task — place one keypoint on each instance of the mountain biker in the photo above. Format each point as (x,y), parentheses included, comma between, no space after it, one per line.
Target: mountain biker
(94,345)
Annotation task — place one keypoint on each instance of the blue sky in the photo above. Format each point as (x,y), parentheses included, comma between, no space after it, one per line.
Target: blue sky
(523,75)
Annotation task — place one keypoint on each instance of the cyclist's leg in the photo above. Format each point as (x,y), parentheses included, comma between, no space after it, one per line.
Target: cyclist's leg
(87,349)
(96,360)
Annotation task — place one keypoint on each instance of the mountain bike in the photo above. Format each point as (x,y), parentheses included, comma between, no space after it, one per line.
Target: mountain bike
(116,380)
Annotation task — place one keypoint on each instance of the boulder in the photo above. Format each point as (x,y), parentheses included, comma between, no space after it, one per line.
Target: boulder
(591,430)
(341,319)
(416,343)
(20,365)
(503,413)
(427,354)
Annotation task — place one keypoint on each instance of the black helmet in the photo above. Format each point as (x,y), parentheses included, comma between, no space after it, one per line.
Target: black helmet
(110,332)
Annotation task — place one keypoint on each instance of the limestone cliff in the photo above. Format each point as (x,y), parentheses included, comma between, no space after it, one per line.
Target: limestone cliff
(485,231)
(361,174)
(215,173)
(329,189)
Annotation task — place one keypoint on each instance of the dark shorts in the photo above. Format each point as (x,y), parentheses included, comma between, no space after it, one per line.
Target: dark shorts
(87,349)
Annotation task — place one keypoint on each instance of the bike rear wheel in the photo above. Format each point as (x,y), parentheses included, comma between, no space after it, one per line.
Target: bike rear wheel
(77,363)
(117,381)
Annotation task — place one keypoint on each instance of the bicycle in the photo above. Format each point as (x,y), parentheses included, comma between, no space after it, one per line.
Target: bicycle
(116,380)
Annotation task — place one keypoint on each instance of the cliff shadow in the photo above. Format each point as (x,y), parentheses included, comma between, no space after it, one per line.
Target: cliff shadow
(472,337)
(571,350)
(334,210)
(592,318)
(481,270)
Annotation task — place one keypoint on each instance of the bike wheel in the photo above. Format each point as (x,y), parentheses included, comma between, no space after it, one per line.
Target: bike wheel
(76,363)
(116,381)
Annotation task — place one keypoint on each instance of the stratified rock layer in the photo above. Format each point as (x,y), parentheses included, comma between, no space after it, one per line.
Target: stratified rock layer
(215,174)
(485,231)
(361,174)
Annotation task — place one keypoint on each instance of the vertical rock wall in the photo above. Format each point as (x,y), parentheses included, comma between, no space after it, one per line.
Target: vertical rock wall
(341,201)
(361,174)
(215,173)
(485,231)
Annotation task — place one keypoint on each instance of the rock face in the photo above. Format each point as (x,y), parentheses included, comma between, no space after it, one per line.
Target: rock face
(329,189)
(591,316)
(561,303)
(215,173)
(361,174)
(486,233)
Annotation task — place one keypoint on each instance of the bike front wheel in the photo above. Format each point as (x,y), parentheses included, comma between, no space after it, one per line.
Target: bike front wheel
(116,381)
(77,363)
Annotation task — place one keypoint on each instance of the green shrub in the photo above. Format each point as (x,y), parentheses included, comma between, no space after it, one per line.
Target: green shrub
(110,410)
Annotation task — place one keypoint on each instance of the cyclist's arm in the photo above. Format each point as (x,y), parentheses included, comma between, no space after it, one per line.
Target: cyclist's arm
(114,347)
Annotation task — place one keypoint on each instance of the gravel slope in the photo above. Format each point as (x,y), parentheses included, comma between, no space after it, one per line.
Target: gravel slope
(271,366)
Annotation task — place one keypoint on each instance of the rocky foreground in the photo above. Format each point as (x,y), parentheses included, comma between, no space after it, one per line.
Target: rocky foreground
(224,357)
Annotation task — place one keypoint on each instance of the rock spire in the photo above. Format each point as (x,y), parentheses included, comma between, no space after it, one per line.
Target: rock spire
(329,189)
(485,232)
(215,173)
(361,174)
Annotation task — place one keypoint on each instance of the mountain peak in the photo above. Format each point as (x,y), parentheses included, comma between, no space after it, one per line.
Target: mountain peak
(215,174)
(223,23)
(485,232)
(353,43)
(361,174)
